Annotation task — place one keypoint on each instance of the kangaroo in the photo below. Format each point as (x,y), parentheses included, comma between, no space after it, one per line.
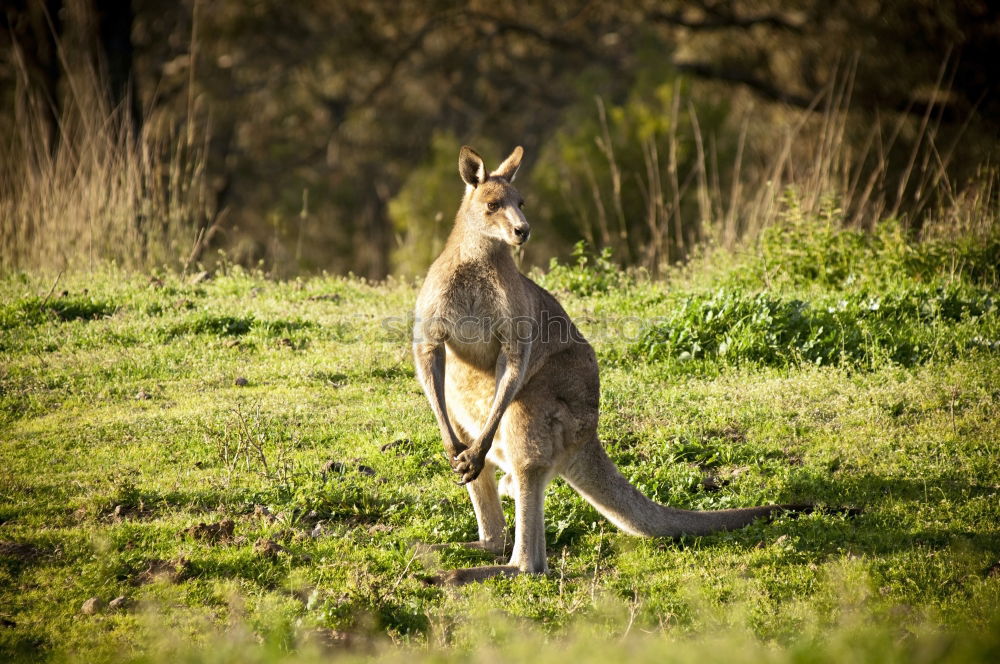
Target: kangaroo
(514,386)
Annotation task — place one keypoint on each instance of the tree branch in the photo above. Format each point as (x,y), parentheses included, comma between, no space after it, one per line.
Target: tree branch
(558,41)
(760,86)
(720,21)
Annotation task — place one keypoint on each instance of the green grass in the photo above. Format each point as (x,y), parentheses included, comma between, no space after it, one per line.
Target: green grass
(836,367)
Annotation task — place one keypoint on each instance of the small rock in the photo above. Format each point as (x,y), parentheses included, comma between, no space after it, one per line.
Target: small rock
(119,603)
(202,276)
(318,530)
(92,606)
(366,470)
(781,540)
(143,395)
(241,381)
(285,342)
(155,282)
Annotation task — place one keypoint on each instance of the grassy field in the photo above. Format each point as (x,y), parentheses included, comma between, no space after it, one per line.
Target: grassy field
(252,466)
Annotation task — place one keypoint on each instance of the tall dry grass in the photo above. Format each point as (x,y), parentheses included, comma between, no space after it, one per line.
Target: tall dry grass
(818,160)
(140,196)
(107,190)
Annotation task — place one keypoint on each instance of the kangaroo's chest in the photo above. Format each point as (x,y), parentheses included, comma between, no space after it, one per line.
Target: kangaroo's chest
(474,310)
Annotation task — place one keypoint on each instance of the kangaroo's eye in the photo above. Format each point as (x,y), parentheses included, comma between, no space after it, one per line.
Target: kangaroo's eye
(521,205)
(492,206)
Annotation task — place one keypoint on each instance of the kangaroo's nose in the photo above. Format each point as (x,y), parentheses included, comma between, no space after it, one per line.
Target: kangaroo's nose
(522,233)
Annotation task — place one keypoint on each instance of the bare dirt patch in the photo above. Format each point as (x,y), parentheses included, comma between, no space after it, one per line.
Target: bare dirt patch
(169,571)
(21,551)
(211,532)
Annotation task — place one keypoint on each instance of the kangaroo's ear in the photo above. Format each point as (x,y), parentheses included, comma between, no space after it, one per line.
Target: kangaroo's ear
(471,167)
(508,168)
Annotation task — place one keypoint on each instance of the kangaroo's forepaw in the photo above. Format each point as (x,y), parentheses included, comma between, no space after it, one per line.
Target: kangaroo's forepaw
(453,449)
(468,465)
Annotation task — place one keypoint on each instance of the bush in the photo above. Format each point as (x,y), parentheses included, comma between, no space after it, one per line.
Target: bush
(818,293)
(859,328)
(591,273)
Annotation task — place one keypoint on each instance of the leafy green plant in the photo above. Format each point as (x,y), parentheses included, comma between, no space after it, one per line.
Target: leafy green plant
(856,328)
(587,274)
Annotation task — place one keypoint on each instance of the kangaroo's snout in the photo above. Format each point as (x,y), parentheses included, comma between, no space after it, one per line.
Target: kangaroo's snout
(521,233)
(517,227)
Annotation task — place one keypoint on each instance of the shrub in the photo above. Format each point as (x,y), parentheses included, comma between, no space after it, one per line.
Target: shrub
(907,327)
(590,273)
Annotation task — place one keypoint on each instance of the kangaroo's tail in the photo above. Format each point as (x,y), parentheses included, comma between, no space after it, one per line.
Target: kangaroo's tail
(594,475)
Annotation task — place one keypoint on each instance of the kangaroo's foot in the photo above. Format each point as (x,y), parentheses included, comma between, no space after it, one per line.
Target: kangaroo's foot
(498,547)
(464,575)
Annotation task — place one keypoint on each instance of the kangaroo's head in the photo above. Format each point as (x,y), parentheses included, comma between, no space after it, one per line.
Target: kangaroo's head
(493,205)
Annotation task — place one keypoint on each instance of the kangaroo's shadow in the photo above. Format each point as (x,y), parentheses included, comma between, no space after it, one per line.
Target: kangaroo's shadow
(886,522)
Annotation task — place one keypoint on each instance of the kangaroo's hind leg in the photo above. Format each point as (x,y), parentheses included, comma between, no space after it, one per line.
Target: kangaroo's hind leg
(489,513)
(529,533)
(492,531)
(529,527)
(485,497)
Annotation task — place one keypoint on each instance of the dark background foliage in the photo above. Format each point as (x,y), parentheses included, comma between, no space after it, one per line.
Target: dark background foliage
(329,129)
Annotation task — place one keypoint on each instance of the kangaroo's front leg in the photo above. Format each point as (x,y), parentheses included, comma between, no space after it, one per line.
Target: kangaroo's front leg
(510,369)
(429,361)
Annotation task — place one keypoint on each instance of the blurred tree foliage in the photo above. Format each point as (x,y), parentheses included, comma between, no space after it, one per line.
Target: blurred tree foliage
(332,127)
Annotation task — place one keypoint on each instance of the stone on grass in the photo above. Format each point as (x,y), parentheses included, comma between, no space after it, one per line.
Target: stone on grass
(92,606)
(119,603)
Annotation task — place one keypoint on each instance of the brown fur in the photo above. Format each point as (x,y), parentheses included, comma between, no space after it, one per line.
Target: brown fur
(514,386)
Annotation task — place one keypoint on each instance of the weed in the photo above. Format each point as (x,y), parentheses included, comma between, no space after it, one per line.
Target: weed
(588,274)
